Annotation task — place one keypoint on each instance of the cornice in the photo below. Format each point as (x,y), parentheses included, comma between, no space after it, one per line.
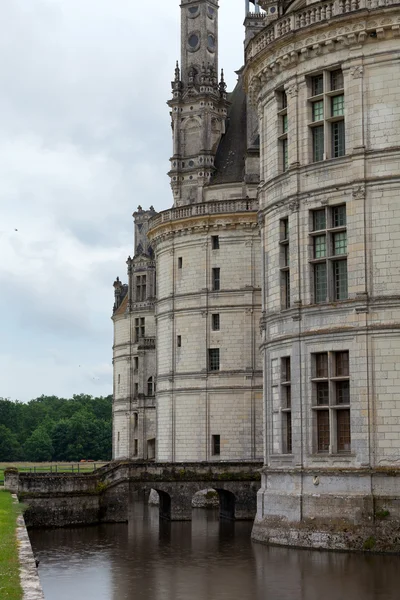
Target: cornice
(202,224)
(344,31)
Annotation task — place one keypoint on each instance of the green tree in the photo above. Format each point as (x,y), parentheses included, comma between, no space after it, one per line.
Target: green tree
(10,449)
(39,447)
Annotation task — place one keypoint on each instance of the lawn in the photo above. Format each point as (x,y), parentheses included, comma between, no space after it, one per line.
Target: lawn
(86,467)
(10,588)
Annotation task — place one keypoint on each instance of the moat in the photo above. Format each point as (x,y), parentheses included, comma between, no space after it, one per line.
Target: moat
(205,559)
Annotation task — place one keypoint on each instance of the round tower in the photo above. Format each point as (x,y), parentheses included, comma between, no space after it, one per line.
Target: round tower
(323,77)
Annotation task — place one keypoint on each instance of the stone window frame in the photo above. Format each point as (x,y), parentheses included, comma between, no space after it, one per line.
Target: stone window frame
(140,288)
(216,279)
(286,405)
(284,262)
(328,413)
(215,322)
(281,98)
(327,135)
(140,328)
(327,237)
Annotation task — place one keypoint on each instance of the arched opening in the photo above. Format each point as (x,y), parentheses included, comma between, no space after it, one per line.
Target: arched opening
(227,502)
(165,505)
(207,499)
(150,386)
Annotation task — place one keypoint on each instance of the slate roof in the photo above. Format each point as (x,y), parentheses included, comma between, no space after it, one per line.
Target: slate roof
(231,152)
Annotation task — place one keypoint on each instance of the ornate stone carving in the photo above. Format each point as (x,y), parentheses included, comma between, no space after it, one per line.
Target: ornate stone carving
(359,192)
(292,90)
(294,205)
(356,72)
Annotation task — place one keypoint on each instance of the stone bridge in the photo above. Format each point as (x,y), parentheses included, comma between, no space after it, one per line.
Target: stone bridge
(106,494)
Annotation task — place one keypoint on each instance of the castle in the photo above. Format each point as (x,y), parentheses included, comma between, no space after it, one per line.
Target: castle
(286,215)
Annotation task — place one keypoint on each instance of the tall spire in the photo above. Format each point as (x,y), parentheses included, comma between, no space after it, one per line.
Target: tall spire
(199,102)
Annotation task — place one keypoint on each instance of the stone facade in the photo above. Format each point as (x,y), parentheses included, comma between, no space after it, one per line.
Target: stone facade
(323,78)
(134,358)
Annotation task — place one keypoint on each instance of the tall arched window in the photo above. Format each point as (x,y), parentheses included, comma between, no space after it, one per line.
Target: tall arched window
(150,386)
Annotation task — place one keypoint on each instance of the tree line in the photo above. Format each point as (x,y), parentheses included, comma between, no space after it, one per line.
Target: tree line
(56,429)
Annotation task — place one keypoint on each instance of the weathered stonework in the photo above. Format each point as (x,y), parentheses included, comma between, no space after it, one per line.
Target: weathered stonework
(329,491)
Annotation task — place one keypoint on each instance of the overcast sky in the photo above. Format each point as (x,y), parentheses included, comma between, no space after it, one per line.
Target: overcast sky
(84,138)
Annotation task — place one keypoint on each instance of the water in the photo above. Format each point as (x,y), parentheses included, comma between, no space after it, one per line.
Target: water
(202,560)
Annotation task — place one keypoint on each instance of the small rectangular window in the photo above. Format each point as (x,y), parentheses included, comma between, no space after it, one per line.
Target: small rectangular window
(318,143)
(180,262)
(342,364)
(285,155)
(179,341)
(322,393)
(215,242)
(136,390)
(216,282)
(215,322)
(318,110)
(320,246)
(317,85)
(213,359)
(321,365)
(338,145)
(340,243)
(323,430)
(337,80)
(343,431)
(216,445)
(342,392)
(135,420)
(284,123)
(320,282)
(340,279)
(283,100)
(284,229)
(136,448)
(119,378)
(319,220)
(136,363)
(339,216)
(337,106)
(285,275)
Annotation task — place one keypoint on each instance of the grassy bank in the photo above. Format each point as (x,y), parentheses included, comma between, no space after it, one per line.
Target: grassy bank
(50,467)
(10,588)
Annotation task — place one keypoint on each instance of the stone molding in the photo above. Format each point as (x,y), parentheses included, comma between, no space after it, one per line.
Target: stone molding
(273,55)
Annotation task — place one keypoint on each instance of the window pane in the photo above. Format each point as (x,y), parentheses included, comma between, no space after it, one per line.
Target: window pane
(215,322)
(338,145)
(287,433)
(323,430)
(216,444)
(317,85)
(318,143)
(342,364)
(319,220)
(285,289)
(337,80)
(318,110)
(321,365)
(320,282)
(340,243)
(337,106)
(284,124)
(285,156)
(284,229)
(340,279)
(213,358)
(322,393)
(286,256)
(286,369)
(342,392)
(339,216)
(216,279)
(283,100)
(343,430)
(320,246)
(215,242)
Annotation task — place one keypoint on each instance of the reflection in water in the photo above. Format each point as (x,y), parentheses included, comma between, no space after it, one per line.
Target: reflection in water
(202,560)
